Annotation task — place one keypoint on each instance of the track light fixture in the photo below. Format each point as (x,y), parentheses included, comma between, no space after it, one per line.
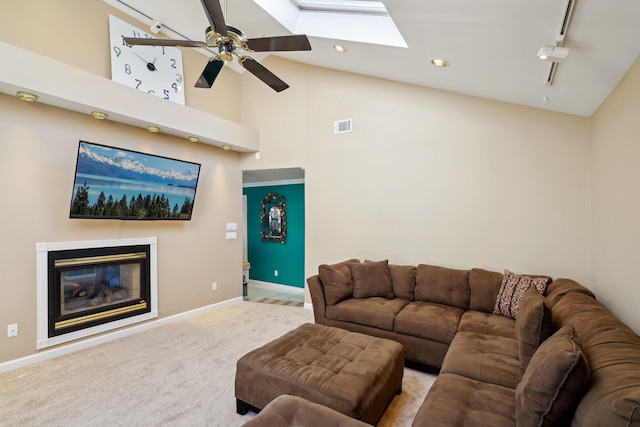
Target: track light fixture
(553,53)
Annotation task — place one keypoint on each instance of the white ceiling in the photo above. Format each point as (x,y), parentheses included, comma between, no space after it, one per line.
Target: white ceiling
(491,45)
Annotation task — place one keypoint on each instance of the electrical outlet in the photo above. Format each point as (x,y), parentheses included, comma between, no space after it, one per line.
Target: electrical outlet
(275,273)
(214,286)
(12,330)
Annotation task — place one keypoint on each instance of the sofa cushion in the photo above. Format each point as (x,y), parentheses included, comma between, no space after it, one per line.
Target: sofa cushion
(612,350)
(337,281)
(487,324)
(553,383)
(371,279)
(512,290)
(487,358)
(377,312)
(533,325)
(442,285)
(428,320)
(484,286)
(457,401)
(403,279)
(561,287)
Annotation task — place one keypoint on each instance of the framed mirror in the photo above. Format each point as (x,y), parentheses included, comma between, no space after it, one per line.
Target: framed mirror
(273,218)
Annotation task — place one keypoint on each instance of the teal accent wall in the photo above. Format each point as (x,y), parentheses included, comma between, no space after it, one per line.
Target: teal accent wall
(266,257)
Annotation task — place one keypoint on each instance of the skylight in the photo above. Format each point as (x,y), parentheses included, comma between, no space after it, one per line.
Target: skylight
(363,7)
(353,20)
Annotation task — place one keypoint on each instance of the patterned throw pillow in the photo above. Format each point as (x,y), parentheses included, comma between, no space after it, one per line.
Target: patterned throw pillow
(513,288)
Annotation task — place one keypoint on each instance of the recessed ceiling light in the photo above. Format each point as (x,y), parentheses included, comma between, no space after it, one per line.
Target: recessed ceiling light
(226,147)
(438,62)
(99,115)
(26,96)
(339,48)
(153,129)
(193,138)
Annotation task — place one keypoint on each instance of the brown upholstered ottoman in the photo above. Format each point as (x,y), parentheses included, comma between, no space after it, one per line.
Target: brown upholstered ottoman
(353,373)
(289,411)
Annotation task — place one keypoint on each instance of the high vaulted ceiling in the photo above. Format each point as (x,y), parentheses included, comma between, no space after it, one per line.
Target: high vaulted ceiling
(491,45)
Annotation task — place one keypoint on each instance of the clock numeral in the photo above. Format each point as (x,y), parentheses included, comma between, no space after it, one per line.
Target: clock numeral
(174,87)
(136,34)
(166,94)
(179,78)
(127,68)
(139,83)
(118,51)
(152,91)
(163,50)
(173,63)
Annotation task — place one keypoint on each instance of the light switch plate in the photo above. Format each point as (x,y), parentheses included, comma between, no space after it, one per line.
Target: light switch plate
(232,235)
(232,226)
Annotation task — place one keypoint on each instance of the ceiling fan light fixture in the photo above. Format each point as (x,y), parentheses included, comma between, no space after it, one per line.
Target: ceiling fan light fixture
(225,51)
(439,62)
(229,43)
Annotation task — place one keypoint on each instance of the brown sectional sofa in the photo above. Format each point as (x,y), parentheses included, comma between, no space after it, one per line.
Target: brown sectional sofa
(561,359)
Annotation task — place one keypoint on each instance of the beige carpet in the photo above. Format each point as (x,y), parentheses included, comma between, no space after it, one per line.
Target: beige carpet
(179,374)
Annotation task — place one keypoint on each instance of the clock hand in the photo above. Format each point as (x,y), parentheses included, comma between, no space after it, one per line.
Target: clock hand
(150,65)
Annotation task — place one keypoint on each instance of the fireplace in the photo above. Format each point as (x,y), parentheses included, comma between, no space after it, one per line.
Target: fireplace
(85,288)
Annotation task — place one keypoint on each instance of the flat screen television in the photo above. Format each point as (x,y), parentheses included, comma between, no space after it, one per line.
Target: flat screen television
(114,183)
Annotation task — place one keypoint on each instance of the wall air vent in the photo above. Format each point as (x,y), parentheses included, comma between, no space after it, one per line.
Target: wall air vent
(342,126)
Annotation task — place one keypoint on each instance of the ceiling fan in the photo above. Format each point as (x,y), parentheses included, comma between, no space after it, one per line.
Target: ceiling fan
(231,41)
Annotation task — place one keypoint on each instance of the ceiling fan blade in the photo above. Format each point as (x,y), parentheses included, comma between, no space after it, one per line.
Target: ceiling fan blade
(283,43)
(215,16)
(258,70)
(133,41)
(209,73)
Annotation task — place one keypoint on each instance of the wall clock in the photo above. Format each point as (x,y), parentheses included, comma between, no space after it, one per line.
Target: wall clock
(153,69)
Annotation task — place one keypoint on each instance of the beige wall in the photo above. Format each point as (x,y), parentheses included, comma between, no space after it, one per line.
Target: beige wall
(38,148)
(38,152)
(428,176)
(76,32)
(615,157)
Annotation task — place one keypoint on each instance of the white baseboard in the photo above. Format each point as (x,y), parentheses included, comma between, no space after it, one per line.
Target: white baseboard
(81,345)
(276,285)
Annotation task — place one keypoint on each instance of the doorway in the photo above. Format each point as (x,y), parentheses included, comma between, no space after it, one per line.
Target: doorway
(275,270)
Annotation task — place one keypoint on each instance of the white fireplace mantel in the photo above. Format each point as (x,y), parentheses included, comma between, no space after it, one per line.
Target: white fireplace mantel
(42,250)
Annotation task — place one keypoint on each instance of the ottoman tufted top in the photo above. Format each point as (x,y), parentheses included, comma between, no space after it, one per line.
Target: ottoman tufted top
(316,360)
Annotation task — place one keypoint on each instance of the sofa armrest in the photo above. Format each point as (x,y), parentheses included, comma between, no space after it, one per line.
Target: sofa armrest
(317,299)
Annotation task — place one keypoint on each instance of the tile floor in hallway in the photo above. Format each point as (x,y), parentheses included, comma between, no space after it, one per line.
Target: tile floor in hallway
(259,290)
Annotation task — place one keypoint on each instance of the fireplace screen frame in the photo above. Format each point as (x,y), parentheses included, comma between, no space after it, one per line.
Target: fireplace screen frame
(49,309)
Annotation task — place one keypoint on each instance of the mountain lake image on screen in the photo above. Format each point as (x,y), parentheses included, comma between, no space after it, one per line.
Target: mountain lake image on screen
(115,183)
